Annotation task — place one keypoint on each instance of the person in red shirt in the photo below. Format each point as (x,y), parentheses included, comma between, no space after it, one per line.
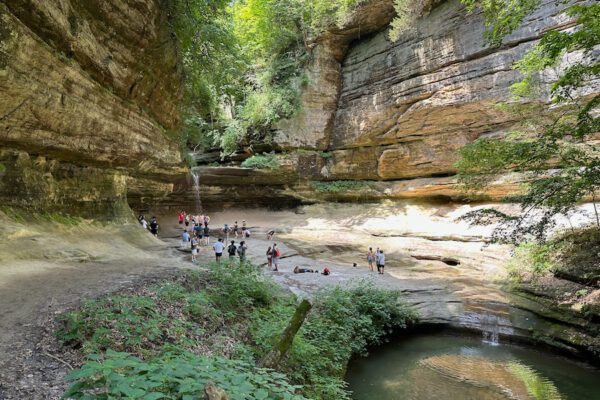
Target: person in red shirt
(180,216)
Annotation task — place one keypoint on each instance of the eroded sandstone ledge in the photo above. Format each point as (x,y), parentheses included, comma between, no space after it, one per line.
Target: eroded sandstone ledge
(89,92)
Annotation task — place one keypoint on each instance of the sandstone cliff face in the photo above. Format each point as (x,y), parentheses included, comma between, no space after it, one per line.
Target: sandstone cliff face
(404,109)
(89,90)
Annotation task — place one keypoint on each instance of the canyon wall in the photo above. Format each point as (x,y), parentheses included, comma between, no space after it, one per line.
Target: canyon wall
(89,91)
(395,114)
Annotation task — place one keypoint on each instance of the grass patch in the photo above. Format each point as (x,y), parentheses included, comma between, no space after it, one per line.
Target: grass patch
(338,186)
(22,215)
(265,161)
(224,319)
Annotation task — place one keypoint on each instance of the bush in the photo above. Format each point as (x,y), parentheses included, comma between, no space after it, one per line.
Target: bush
(174,376)
(530,261)
(343,323)
(338,186)
(265,161)
(231,304)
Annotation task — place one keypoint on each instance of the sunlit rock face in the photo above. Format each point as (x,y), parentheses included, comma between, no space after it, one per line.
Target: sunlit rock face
(89,90)
(400,111)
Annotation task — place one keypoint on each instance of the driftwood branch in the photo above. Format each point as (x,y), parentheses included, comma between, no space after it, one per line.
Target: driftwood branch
(274,357)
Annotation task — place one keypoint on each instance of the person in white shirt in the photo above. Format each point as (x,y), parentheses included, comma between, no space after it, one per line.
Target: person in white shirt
(218,247)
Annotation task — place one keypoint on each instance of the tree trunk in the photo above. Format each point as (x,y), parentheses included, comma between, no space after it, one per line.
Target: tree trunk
(274,357)
(595,209)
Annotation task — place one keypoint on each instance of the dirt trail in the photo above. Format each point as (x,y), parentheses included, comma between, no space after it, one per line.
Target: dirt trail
(46,268)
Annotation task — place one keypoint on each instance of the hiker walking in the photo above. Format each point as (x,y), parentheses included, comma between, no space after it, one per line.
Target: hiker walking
(194,245)
(154,226)
(241,250)
(218,247)
(370,258)
(381,261)
(231,250)
(276,255)
(270,257)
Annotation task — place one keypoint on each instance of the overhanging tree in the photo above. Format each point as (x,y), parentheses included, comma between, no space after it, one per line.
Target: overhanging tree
(557,149)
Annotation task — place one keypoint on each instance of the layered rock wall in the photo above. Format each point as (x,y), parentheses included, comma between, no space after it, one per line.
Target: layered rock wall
(396,113)
(89,92)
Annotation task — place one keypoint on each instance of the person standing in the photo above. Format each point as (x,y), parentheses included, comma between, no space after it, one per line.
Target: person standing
(270,257)
(244,228)
(370,258)
(206,220)
(377,259)
(144,223)
(180,217)
(185,237)
(226,232)
(218,247)
(231,250)
(276,255)
(154,226)
(236,228)
(381,261)
(241,250)
(206,235)
(194,244)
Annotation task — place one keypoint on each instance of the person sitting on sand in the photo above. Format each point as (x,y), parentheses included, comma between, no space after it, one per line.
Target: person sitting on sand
(270,234)
(298,270)
(326,271)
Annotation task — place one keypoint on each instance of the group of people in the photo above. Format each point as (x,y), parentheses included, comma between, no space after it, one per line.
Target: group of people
(196,232)
(378,258)
(152,226)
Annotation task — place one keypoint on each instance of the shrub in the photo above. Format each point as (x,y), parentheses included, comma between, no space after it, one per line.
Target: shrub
(530,261)
(338,186)
(265,161)
(174,376)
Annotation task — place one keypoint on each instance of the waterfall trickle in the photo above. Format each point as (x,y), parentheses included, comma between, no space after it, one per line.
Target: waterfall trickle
(198,201)
(491,329)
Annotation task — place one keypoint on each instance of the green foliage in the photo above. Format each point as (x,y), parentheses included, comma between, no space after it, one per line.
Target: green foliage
(174,376)
(407,12)
(230,302)
(562,161)
(531,261)
(539,387)
(501,17)
(343,322)
(2,168)
(245,64)
(265,161)
(338,186)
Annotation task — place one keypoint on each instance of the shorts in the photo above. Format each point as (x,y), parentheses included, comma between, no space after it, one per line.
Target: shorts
(180,222)
(194,251)
(218,254)
(370,259)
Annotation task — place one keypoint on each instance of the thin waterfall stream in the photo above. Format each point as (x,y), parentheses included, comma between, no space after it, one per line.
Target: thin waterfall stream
(196,188)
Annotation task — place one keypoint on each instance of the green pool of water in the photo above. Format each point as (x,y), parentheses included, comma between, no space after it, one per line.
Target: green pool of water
(450,367)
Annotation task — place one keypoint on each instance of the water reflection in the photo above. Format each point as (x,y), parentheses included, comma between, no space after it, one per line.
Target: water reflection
(442,367)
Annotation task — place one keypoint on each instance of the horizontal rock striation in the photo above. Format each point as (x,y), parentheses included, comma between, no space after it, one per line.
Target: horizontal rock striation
(399,112)
(89,92)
